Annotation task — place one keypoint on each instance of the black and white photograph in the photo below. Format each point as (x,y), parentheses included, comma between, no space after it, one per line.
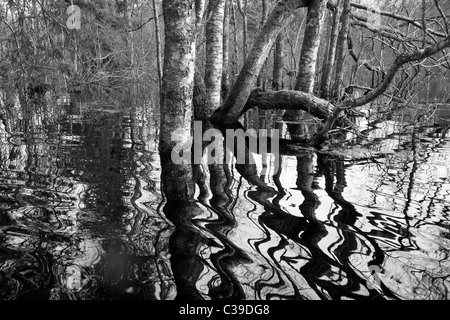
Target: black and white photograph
(225,154)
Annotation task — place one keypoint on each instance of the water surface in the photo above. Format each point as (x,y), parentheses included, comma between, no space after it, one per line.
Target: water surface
(82,216)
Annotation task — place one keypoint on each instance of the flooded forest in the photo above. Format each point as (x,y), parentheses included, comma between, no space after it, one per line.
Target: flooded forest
(111,110)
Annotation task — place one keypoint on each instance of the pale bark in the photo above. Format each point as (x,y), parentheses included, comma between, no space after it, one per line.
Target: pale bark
(263,21)
(235,59)
(214,53)
(176,107)
(310,48)
(243,10)
(235,102)
(260,82)
(307,65)
(158,44)
(226,51)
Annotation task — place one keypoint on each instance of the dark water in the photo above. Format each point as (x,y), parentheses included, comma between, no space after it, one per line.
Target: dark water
(82,217)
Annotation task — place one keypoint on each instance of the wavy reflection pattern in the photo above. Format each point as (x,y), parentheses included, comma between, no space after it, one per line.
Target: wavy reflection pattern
(82,217)
(80,204)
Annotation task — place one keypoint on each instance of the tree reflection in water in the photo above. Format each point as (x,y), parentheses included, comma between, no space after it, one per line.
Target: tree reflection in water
(82,217)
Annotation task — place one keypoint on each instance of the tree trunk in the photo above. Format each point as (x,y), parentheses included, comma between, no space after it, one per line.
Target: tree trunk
(278,72)
(341,48)
(310,48)
(176,107)
(260,82)
(278,63)
(307,65)
(214,53)
(158,44)
(263,21)
(235,60)
(133,92)
(226,50)
(199,11)
(243,11)
(329,63)
(232,108)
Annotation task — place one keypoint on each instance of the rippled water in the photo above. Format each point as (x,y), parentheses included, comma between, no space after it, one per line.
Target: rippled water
(82,217)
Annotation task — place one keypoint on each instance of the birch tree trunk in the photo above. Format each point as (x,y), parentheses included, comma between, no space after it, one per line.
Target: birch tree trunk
(177,93)
(214,53)
(307,65)
(262,114)
(310,48)
(263,21)
(226,50)
(158,44)
(235,59)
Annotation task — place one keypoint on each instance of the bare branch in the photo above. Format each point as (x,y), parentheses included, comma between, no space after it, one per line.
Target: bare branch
(398,63)
(436,3)
(398,17)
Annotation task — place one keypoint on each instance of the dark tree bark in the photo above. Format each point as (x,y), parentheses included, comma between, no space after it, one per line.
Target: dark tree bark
(243,11)
(199,11)
(278,63)
(326,82)
(341,49)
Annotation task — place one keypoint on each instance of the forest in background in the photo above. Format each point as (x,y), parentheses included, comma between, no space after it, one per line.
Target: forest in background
(117,46)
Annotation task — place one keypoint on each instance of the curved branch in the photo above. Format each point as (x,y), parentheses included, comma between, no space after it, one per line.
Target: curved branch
(289,100)
(397,17)
(398,63)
